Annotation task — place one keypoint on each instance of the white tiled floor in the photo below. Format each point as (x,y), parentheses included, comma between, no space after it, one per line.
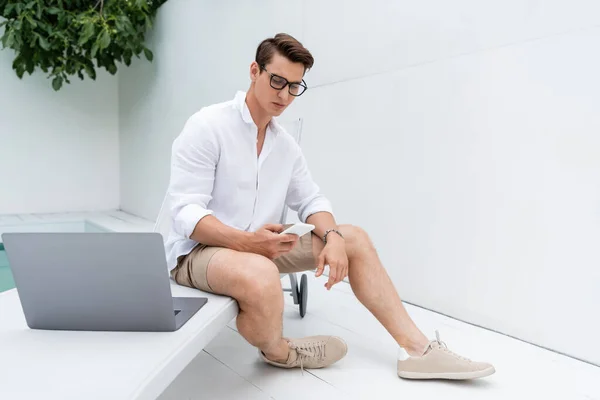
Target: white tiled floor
(229,368)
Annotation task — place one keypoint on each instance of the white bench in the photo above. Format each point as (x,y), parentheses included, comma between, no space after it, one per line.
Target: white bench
(65,365)
(101,365)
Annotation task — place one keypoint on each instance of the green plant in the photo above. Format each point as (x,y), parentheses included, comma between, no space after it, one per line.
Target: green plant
(69,37)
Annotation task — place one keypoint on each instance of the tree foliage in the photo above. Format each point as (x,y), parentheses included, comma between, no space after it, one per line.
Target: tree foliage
(72,37)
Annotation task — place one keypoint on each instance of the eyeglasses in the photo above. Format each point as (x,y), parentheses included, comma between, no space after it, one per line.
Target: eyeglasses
(279,83)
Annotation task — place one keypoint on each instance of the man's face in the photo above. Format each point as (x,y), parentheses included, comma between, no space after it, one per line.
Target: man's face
(272,100)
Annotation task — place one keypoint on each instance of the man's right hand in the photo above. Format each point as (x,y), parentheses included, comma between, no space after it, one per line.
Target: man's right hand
(268,241)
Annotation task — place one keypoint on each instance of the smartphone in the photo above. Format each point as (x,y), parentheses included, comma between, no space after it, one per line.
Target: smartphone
(299,229)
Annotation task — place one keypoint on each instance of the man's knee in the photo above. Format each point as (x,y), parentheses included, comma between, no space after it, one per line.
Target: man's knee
(355,235)
(260,281)
(357,241)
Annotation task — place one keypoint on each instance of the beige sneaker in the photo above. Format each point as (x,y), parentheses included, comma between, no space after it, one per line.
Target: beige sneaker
(312,352)
(440,363)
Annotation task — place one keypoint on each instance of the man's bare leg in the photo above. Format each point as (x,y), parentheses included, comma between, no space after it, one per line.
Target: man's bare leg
(374,289)
(254,281)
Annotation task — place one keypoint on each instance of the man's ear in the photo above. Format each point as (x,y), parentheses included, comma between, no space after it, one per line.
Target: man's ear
(254,71)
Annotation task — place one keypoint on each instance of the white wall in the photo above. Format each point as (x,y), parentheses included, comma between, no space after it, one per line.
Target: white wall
(474,126)
(58,150)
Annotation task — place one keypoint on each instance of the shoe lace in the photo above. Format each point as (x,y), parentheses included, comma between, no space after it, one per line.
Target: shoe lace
(309,350)
(442,346)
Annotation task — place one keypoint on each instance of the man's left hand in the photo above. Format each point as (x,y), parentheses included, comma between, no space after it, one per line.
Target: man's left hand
(334,255)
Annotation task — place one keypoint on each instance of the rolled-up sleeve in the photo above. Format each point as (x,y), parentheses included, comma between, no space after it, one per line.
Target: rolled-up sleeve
(303,193)
(194,158)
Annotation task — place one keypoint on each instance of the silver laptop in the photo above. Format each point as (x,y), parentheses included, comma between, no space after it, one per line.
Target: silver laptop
(108,281)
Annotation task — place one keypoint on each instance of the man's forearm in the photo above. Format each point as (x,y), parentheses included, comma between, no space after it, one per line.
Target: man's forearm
(322,222)
(212,232)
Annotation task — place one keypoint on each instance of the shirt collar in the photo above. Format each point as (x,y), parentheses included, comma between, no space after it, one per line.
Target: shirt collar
(240,103)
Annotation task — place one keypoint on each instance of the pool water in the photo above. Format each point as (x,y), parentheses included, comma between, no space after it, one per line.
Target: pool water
(6,278)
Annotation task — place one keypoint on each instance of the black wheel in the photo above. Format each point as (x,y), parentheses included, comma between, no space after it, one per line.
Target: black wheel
(303,294)
(296,294)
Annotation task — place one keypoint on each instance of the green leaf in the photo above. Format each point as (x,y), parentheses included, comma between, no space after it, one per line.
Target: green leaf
(10,39)
(148,54)
(127,57)
(31,21)
(87,33)
(80,75)
(53,10)
(44,44)
(94,49)
(9,8)
(112,68)
(89,69)
(57,83)
(45,27)
(32,41)
(119,24)
(103,40)
(128,26)
(16,61)
(29,66)
(19,67)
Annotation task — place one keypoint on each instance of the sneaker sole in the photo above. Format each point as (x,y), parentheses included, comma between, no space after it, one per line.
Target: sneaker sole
(447,375)
(345,346)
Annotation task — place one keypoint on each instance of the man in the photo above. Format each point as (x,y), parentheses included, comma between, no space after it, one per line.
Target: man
(233,170)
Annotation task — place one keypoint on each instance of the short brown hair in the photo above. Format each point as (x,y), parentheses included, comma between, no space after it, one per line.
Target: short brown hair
(288,47)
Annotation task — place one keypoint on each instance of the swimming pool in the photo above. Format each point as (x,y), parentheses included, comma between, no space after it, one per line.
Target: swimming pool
(6,278)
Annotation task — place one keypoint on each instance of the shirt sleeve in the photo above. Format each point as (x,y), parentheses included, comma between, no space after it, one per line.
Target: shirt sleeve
(303,195)
(194,157)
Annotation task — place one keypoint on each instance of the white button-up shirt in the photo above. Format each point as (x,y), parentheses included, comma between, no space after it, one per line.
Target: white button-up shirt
(215,170)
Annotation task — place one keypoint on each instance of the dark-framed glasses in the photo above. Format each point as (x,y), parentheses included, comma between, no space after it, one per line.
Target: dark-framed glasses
(279,83)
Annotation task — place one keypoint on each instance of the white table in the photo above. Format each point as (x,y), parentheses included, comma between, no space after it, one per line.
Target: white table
(62,365)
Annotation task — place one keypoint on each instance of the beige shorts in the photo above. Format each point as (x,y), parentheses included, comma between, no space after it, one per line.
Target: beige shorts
(191,269)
